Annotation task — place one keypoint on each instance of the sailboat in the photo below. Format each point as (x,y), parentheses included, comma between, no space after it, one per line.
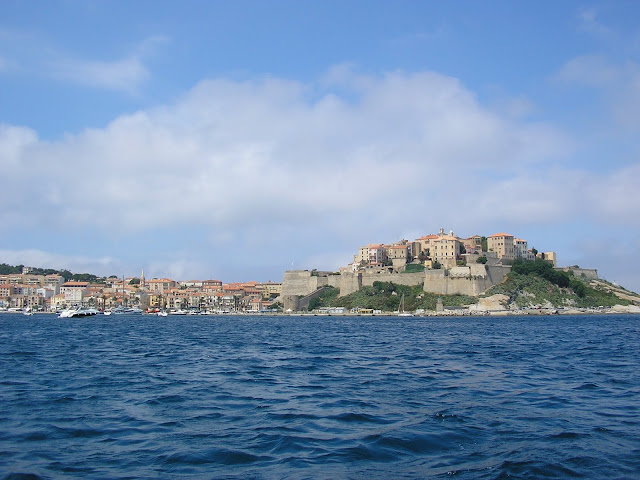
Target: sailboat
(401,312)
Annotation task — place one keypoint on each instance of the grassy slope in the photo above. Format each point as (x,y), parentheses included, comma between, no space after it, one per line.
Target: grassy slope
(526,290)
(531,290)
(386,296)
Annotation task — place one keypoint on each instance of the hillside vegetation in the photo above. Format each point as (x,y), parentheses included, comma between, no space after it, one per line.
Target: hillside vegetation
(387,296)
(530,284)
(537,283)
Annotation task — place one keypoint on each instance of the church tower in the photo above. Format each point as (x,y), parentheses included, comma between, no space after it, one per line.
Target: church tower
(142,279)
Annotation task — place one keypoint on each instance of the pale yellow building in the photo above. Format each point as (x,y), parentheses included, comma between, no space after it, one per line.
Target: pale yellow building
(473,244)
(445,250)
(502,244)
(372,254)
(549,256)
(161,285)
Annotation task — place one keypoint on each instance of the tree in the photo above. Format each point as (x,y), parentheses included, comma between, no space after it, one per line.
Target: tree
(436,265)
(485,245)
(482,260)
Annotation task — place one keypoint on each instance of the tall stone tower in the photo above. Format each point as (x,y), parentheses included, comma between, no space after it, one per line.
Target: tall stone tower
(142,279)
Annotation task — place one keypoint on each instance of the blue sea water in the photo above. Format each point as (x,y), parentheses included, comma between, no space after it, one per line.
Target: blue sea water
(319,397)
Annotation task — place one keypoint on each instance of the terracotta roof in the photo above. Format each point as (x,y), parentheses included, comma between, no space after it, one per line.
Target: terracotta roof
(500,235)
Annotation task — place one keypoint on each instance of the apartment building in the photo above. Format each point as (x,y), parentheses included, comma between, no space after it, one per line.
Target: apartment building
(473,244)
(502,244)
(73,292)
(372,254)
(161,285)
(445,250)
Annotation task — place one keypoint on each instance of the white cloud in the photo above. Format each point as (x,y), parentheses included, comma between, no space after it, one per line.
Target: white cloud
(589,70)
(30,54)
(232,153)
(589,23)
(616,85)
(125,74)
(273,170)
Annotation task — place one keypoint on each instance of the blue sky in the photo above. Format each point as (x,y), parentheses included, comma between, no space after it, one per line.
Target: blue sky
(232,140)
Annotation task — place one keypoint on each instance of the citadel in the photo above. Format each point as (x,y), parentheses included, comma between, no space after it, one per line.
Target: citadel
(442,263)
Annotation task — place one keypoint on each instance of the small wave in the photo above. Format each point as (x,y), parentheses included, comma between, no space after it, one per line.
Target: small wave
(22,476)
(79,432)
(444,416)
(362,452)
(165,399)
(566,436)
(587,386)
(223,457)
(356,418)
(531,469)
(414,444)
(293,416)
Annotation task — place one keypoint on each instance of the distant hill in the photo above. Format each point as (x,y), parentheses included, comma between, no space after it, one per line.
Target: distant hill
(66,274)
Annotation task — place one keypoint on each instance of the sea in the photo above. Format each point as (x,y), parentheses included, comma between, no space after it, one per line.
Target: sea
(319,397)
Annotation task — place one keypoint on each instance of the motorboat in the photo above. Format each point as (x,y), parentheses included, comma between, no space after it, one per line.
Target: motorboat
(78,312)
(120,310)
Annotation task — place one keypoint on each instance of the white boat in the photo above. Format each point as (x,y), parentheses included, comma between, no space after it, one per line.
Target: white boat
(27,312)
(78,312)
(120,310)
(162,314)
(401,312)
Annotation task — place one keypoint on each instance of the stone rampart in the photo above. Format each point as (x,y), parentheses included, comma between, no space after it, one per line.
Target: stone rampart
(471,280)
(409,279)
(305,282)
(585,273)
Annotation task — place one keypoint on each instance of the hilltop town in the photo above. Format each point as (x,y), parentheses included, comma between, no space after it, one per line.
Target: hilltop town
(440,264)
(444,250)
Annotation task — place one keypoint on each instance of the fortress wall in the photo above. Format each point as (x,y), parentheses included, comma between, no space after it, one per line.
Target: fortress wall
(302,283)
(473,284)
(471,280)
(585,273)
(299,282)
(409,279)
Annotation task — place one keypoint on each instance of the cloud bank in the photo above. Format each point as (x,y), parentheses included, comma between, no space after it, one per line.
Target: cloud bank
(352,158)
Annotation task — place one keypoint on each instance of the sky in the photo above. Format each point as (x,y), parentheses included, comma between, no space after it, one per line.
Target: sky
(234,140)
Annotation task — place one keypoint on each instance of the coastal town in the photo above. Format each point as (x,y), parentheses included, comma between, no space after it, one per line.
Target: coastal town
(52,293)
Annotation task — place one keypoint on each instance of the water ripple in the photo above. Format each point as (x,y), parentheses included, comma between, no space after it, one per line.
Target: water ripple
(320,397)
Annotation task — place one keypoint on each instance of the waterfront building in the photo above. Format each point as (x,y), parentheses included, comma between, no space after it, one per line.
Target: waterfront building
(161,285)
(73,292)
